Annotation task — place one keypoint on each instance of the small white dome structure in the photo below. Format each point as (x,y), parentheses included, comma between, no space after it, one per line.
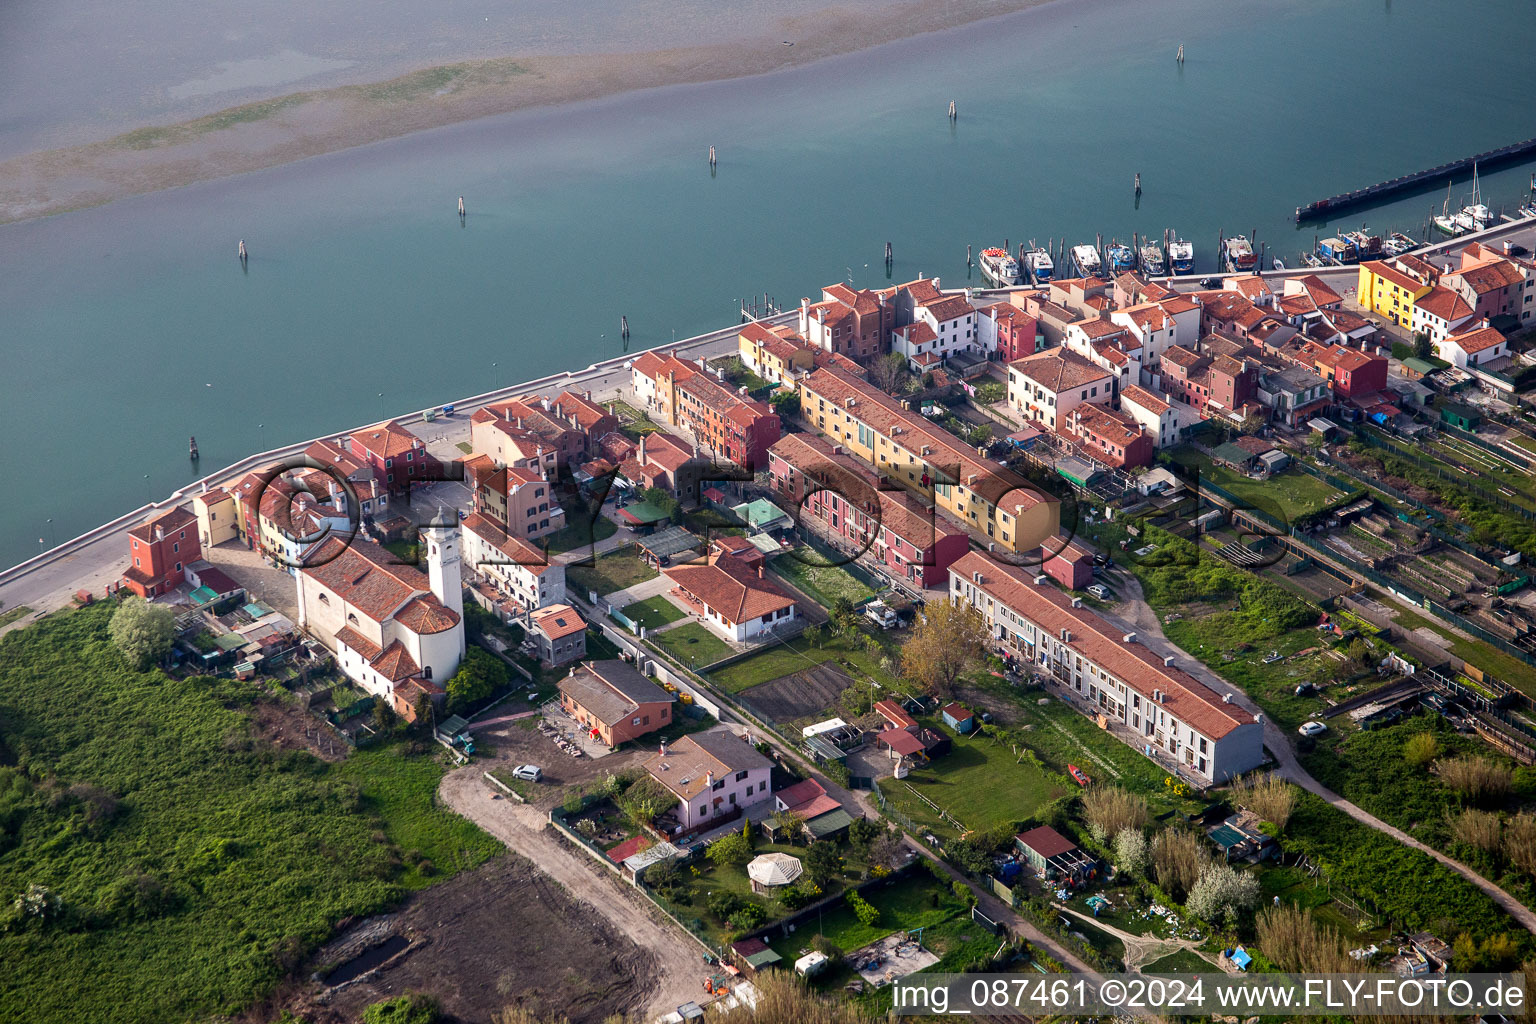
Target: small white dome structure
(773,870)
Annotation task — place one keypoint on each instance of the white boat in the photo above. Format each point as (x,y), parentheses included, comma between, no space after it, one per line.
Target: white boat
(1528,210)
(1312,260)
(1040,266)
(1445,223)
(1279,263)
(1086,259)
(1181,256)
(1237,254)
(1121,257)
(1475,216)
(1152,263)
(999,267)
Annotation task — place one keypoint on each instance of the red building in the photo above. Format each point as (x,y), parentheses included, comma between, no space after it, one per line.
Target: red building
(1352,372)
(1199,380)
(1111,437)
(159,550)
(838,498)
(1071,566)
(1009,331)
(398,457)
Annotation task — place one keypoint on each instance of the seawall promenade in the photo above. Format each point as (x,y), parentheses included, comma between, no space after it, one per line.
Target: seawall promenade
(97,557)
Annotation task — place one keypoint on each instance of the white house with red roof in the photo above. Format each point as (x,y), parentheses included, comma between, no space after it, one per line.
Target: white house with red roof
(1475,345)
(517,571)
(1048,386)
(395,631)
(735,602)
(1110,672)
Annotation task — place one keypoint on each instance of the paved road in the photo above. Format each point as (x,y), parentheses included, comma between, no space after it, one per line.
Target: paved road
(526,831)
(1144,622)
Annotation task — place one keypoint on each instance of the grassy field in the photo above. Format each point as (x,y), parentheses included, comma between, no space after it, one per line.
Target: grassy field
(980,781)
(1286,495)
(693,645)
(617,570)
(653,612)
(1184,961)
(824,583)
(192,866)
(797,655)
(915,900)
(10,615)
(584,526)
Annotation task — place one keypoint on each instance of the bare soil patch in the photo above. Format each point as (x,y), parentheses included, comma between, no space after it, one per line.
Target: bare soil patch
(815,691)
(520,742)
(502,935)
(287,726)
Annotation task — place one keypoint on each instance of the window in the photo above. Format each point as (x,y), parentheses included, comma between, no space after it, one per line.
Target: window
(703,808)
(740,776)
(719,785)
(733,798)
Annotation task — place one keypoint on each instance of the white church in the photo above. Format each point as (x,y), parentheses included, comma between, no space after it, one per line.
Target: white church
(396,632)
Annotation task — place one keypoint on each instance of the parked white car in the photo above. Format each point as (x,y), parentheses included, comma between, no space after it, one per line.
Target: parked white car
(1312,729)
(527,772)
(1099,591)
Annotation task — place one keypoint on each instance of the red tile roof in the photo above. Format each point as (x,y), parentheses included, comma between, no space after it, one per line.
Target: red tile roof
(386,440)
(395,663)
(558,621)
(1139,395)
(1058,370)
(1442,302)
(730,589)
(1099,641)
(1387,272)
(170,521)
(895,714)
(426,615)
(1477,340)
(362,574)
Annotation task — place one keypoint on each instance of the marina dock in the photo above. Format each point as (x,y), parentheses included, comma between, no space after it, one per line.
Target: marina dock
(1334,204)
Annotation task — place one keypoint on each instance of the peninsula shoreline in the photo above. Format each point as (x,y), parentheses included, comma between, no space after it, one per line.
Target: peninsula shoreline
(298,125)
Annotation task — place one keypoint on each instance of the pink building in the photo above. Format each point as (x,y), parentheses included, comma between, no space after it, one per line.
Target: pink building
(714,775)
(838,498)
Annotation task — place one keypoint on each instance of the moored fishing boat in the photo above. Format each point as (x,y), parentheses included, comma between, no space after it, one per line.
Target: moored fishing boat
(1085,258)
(1039,265)
(1121,257)
(1152,263)
(1237,254)
(999,267)
(1181,256)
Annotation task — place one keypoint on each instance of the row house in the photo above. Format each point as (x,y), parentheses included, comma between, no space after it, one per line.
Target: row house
(658,460)
(159,550)
(525,433)
(1493,285)
(1085,296)
(1211,738)
(1393,288)
(1251,287)
(1131,289)
(1108,345)
(775,354)
(290,520)
(1047,387)
(1111,437)
(1208,384)
(1156,415)
(837,493)
(1351,372)
(1008,331)
(1439,313)
(520,500)
(519,572)
(685,395)
(1152,331)
(985,497)
(1294,395)
(397,456)
(848,322)
(1230,313)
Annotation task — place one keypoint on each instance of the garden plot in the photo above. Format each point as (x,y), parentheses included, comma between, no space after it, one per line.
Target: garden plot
(891,959)
(810,693)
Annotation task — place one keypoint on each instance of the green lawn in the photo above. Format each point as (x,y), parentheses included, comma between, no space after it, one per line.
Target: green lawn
(797,655)
(599,647)
(914,900)
(692,645)
(653,612)
(617,570)
(193,864)
(10,615)
(585,525)
(825,584)
(980,781)
(1287,495)
(1184,961)
(465,447)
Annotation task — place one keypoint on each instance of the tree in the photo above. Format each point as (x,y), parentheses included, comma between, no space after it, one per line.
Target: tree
(480,674)
(1222,893)
(862,832)
(948,638)
(1131,850)
(886,373)
(823,863)
(730,850)
(787,824)
(748,916)
(888,849)
(142,631)
(979,435)
(1422,346)
(991,392)
(723,904)
(384,717)
(785,402)
(866,912)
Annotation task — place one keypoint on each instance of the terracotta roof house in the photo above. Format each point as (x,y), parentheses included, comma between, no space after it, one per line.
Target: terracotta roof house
(1046,387)
(560,633)
(398,457)
(159,550)
(614,701)
(1210,738)
(733,600)
(714,775)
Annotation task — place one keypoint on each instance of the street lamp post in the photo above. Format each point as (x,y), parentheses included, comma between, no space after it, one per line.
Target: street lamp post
(150,494)
(53,534)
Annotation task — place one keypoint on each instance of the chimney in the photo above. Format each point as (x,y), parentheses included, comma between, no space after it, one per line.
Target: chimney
(662,750)
(759,572)
(1066,635)
(1226,698)
(587,395)
(642,451)
(709,778)
(1157,696)
(1129,638)
(1077,602)
(976,577)
(1040,579)
(1167,660)
(159,533)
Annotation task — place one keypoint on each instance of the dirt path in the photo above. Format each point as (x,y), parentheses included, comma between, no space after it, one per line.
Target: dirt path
(525,830)
(1135,610)
(1139,949)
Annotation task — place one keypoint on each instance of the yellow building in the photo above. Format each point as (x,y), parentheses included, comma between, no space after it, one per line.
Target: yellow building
(904,448)
(217,518)
(775,354)
(1390,289)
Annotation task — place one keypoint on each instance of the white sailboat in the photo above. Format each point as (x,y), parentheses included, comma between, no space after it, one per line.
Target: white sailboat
(1476,216)
(1445,223)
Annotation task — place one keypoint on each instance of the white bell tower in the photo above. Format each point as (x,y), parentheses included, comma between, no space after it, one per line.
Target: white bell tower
(441,536)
